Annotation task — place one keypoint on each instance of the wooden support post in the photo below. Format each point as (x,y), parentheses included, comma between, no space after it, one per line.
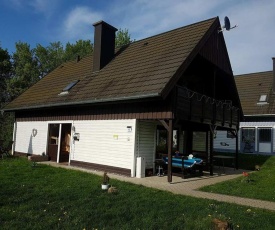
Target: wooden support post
(169,128)
(207,149)
(211,153)
(170,146)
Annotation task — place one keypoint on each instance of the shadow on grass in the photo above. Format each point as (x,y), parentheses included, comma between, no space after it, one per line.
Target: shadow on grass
(246,161)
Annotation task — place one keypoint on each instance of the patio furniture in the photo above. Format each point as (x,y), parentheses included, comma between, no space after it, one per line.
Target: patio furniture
(223,158)
(187,166)
(159,167)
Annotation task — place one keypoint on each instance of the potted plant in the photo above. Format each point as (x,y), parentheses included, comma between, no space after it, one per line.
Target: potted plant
(105,181)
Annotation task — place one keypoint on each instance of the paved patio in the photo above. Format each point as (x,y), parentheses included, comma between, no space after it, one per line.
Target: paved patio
(188,186)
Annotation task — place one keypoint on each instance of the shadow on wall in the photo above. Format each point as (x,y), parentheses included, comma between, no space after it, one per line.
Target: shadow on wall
(30,150)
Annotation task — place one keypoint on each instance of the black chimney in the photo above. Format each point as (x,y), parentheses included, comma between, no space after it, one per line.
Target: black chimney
(104,44)
(273,86)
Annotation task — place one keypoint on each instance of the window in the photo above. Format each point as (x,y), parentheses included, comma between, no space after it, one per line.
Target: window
(263,98)
(71,85)
(65,90)
(248,135)
(230,135)
(265,135)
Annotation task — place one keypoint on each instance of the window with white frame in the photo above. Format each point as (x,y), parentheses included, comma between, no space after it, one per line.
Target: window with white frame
(264,134)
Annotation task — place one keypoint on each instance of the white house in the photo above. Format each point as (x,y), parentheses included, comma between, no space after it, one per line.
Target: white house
(102,111)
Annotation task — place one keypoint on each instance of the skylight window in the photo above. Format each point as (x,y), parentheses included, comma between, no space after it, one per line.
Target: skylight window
(263,98)
(65,91)
(69,86)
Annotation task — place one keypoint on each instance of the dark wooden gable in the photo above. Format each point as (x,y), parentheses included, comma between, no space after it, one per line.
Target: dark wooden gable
(215,51)
(206,90)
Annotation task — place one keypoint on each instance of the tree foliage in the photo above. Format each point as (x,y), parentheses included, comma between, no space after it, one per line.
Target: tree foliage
(25,71)
(122,38)
(48,57)
(6,120)
(5,71)
(81,48)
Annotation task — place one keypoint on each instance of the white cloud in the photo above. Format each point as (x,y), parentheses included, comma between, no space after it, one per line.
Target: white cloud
(78,23)
(146,18)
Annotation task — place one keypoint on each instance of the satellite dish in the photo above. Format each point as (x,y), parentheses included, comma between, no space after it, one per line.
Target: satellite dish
(227,25)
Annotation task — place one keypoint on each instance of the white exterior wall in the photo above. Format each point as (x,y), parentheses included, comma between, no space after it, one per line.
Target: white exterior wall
(146,142)
(105,142)
(222,137)
(260,148)
(26,142)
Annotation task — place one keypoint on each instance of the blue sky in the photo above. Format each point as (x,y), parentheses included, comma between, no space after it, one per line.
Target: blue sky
(250,45)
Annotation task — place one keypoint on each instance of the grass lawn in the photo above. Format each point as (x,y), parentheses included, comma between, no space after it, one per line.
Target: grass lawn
(45,197)
(258,185)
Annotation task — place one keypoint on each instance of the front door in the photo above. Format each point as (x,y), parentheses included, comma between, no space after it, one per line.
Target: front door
(64,152)
(59,140)
(53,141)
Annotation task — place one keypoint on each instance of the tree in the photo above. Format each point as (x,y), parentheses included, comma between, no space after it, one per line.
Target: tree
(6,120)
(25,71)
(48,58)
(81,48)
(5,70)
(122,38)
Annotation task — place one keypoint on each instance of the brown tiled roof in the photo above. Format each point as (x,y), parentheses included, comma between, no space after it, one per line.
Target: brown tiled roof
(142,69)
(251,87)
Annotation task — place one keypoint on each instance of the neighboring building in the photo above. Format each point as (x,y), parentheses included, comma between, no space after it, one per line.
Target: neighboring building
(257,131)
(102,111)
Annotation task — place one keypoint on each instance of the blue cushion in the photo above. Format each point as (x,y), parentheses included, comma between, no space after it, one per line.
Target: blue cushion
(177,162)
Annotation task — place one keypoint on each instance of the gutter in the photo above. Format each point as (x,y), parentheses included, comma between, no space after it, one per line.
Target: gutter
(260,115)
(84,102)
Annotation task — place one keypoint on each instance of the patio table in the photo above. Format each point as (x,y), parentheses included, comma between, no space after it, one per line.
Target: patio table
(223,158)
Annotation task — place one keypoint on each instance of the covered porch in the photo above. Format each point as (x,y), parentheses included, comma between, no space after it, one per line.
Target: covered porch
(197,118)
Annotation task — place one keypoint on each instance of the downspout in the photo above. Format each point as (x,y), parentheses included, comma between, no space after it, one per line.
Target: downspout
(14,136)
(237,150)
(135,147)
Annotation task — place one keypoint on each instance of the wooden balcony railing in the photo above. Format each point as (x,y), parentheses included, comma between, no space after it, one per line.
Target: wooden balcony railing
(196,107)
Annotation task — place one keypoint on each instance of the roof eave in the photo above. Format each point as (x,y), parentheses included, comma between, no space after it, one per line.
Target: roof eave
(85,102)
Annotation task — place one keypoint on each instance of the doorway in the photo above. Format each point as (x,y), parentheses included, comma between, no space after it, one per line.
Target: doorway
(59,141)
